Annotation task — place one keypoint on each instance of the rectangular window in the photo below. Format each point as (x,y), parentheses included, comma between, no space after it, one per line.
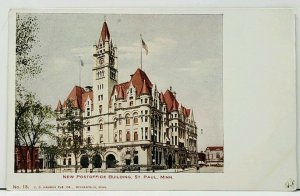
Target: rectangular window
(88,128)
(88,112)
(146,111)
(116,136)
(120,119)
(175,140)
(120,135)
(69,161)
(98,97)
(100,109)
(146,100)
(146,119)
(101,138)
(141,101)
(131,103)
(142,131)
(64,162)
(101,97)
(146,133)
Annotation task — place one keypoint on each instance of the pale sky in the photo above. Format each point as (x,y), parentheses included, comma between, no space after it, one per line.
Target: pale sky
(185,52)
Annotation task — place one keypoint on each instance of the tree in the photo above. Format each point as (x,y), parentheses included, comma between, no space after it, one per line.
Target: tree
(27,67)
(52,153)
(27,63)
(32,121)
(71,141)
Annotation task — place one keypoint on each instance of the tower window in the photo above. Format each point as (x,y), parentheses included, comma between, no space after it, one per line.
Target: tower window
(100,109)
(120,135)
(101,138)
(131,103)
(146,133)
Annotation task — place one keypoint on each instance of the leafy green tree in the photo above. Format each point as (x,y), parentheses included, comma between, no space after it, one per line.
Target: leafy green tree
(27,63)
(70,140)
(32,119)
(32,122)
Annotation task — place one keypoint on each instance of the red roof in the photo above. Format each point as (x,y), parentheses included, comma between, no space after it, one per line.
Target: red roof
(170,100)
(186,112)
(162,98)
(79,96)
(211,148)
(145,90)
(140,82)
(104,32)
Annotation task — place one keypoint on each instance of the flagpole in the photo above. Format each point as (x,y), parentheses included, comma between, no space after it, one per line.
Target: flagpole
(141,53)
(80,71)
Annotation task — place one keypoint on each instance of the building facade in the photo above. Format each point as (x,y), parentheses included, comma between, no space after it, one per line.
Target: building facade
(214,154)
(23,158)
(132,122)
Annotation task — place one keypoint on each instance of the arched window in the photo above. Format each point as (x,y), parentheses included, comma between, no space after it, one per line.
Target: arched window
(127,118)
(101,125)
(128,136)
(136,136)
(135,118)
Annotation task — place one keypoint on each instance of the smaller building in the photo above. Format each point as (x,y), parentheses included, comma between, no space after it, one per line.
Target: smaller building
(214,154)
(23,158)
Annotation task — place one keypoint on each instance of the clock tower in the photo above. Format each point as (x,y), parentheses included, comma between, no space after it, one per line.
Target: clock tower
(105,71)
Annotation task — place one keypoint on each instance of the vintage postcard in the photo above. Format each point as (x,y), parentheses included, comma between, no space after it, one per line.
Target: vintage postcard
(126,100)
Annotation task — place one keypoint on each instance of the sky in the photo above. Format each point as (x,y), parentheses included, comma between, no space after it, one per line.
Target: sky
(185,52)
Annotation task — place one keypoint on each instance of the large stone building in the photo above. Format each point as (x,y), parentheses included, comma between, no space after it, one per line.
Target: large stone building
(132,121)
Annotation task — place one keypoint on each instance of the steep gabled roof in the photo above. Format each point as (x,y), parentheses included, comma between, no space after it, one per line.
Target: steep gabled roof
(104,33)
(170,98)
(138,79)
(162,98)
(145,90)
(79,96)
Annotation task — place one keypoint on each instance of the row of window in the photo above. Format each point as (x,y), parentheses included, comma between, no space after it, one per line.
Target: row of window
(100,86)
(130,103)
(144,135)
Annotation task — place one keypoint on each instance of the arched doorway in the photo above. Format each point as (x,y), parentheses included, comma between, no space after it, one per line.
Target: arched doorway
(97,161)
(84,161)
(170,161)
(110,161)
